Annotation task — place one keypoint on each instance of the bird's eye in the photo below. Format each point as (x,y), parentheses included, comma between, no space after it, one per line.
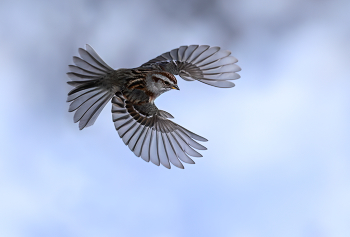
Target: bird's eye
(166,83)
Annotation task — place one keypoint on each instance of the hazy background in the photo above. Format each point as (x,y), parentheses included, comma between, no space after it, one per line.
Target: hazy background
(278,153)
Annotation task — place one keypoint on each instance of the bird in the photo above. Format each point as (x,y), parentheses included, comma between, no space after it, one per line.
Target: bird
(146,130)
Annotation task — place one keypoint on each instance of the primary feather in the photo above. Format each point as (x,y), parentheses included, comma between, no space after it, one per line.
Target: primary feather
(144,128)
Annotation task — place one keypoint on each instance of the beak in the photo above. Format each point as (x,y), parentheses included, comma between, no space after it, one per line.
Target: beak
(175,87)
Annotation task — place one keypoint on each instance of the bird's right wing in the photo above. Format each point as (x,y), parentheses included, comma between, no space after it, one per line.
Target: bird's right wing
(152,136)
(210,65)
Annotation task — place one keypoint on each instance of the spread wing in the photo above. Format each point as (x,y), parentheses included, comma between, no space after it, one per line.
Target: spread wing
(152,136)
(210,65)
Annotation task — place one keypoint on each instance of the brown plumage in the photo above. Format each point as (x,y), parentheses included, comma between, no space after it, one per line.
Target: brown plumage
(143,127)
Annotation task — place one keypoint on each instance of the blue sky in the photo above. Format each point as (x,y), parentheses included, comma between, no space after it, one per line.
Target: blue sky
(277,162)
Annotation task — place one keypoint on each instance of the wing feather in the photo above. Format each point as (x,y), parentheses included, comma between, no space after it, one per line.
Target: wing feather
(171,151)
(137,147)
(162,152)
(146,145)
(209,65)
(153,150)
(181,154)
(155,138)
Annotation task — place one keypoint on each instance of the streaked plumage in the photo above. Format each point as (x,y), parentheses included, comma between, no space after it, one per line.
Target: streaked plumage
(145,129)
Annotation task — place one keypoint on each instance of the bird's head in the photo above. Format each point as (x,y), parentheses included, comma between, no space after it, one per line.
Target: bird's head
(160,82)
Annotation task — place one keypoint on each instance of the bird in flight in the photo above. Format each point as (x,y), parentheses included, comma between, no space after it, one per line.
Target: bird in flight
(144,128)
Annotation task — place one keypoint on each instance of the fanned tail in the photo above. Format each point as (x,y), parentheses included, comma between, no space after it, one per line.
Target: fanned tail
(89,96)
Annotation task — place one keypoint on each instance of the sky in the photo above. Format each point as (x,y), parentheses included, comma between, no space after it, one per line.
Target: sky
(278,153)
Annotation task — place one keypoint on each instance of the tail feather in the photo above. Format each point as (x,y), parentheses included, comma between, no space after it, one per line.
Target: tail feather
(87,66)
(83,71)
(85,55)
(89,96)
(90,109)
(97,57)
(84,98)
(80,93)
(82,77)
(90,120)
(82,85)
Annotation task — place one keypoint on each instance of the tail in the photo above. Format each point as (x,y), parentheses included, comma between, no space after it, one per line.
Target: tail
(89,97)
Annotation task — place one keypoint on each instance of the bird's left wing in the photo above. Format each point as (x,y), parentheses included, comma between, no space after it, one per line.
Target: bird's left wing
(152,136)
(210,65)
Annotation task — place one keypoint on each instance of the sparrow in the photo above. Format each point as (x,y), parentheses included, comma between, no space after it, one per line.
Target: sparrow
(144,128)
